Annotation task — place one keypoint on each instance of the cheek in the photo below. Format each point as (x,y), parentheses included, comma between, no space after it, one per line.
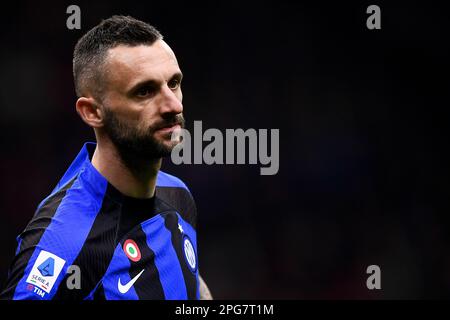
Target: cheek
(124,110)
(136,113)
(148,117)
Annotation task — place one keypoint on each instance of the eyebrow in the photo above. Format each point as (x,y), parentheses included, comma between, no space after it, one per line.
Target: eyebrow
(153,82)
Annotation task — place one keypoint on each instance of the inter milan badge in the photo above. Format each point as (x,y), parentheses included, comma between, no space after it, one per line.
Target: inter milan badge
(189,253)
(132,251)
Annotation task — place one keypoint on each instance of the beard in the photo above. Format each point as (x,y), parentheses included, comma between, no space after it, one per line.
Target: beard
(138,146)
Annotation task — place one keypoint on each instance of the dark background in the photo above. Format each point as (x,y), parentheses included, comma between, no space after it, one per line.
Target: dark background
(363,118)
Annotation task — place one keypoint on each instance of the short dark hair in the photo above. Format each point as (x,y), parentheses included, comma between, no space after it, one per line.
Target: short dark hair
(91,49)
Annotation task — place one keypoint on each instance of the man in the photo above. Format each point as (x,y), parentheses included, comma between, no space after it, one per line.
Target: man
(126,229)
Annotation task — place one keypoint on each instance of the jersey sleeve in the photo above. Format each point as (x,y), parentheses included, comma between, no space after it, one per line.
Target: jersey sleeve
(50,244)
(36,272)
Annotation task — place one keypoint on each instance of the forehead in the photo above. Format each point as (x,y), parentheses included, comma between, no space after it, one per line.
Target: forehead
(126,65)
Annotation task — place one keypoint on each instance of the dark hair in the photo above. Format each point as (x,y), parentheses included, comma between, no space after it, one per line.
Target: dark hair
(90,51)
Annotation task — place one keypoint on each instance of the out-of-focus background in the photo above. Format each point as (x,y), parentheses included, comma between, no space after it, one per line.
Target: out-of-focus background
(363,118)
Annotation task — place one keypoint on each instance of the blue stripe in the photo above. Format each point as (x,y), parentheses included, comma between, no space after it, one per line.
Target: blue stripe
(163,179)
(167,180)
(72,171)
(111,278)
(190,231)
(19,242)
(159,239)
(69,228)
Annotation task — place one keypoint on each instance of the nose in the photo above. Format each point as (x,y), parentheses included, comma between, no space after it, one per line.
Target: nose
(170,103)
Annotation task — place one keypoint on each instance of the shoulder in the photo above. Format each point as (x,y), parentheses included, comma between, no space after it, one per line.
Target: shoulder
(56,234)
(175,192)
(167,180)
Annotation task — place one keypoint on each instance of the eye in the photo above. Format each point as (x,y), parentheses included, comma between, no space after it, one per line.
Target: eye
(145,91)
(174,83)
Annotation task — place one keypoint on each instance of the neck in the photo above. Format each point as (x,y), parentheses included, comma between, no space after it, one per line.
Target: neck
(137,180)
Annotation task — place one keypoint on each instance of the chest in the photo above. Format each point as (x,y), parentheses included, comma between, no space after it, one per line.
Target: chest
(155,260)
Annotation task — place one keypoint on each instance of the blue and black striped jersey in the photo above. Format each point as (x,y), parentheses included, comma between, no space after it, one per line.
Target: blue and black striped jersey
(120,247)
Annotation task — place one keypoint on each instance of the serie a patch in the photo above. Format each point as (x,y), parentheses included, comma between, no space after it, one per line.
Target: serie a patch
(45,271)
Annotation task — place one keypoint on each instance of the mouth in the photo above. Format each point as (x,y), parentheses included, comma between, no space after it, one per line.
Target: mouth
(170,128)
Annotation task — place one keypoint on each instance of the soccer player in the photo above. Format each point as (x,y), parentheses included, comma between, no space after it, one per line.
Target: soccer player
(125,228)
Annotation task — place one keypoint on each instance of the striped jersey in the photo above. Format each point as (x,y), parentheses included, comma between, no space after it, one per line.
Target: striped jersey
(89,241)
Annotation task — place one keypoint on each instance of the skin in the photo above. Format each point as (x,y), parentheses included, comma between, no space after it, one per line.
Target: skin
(129,66)
(142,87)
(205,294)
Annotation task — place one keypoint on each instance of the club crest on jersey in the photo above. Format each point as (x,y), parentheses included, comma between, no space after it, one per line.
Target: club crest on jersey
(132,251)
(45,272)
(189,253)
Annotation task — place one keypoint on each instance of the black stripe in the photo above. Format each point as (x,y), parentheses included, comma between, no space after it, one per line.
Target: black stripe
(171,223)
(96,253)
(30,238)
(99,293)
(148,287)
(181,200)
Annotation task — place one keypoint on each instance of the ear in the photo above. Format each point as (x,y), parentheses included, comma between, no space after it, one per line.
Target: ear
(89,110)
